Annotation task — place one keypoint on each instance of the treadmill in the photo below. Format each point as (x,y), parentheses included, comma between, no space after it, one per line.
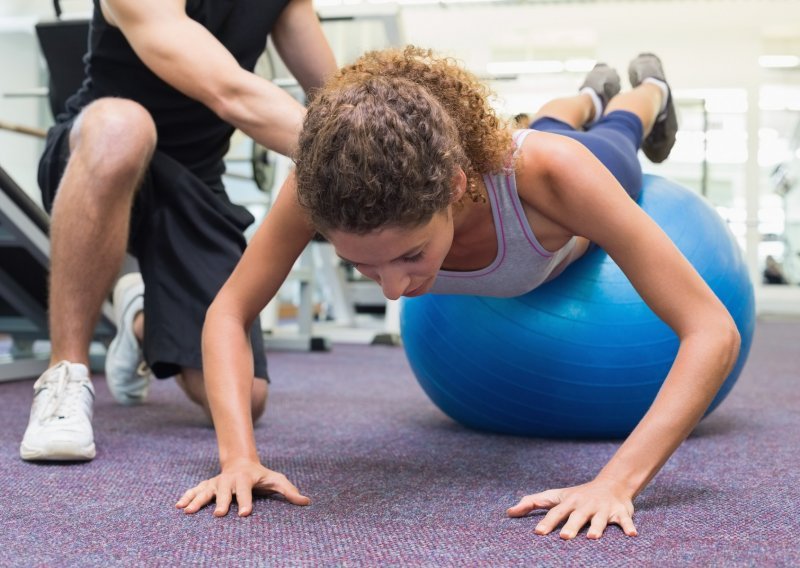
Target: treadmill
(24,270)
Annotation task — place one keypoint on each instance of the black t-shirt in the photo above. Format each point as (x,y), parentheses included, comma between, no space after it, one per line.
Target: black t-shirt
(187,130)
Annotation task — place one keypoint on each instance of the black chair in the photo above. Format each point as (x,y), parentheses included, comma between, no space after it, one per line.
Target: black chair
(64,44)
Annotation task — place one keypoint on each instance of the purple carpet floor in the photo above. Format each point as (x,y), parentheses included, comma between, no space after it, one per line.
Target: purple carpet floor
(395,482)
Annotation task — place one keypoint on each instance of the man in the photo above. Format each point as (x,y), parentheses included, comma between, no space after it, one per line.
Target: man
(137,161)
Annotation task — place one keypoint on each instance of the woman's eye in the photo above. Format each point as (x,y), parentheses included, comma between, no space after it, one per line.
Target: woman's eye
(414,258)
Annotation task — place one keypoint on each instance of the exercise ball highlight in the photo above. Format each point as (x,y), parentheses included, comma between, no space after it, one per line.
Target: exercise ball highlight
(582,356)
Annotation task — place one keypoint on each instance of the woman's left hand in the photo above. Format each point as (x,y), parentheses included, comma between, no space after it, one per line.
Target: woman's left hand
(597,503)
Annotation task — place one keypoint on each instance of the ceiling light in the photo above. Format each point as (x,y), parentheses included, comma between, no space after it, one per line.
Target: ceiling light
(779,61)
(524,67)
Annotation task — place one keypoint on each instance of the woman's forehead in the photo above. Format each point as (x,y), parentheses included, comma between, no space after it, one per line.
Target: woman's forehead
(385,244)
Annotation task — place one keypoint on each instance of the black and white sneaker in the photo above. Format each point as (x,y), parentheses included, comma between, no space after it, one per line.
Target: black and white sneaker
(605,83)
(661,139)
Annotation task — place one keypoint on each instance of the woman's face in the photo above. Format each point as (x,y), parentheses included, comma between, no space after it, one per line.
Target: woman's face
(404,261)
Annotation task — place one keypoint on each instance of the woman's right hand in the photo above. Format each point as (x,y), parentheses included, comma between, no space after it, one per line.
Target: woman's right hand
(242,479)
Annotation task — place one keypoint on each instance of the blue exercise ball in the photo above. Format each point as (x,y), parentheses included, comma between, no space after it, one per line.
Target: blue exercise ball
(583,355)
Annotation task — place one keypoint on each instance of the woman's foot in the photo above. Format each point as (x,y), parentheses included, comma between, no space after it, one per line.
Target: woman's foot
(602,84)
(658,144)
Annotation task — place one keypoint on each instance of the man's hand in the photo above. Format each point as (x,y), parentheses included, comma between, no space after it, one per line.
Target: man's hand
(242,479)
(598,503)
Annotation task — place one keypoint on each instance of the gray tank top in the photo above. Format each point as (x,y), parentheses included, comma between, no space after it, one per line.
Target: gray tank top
(522,263)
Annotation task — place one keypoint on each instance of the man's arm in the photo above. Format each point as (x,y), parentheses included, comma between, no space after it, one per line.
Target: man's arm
(299,40)
(188,57)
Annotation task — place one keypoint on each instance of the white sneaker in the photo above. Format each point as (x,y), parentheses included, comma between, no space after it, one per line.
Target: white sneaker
(127,375)
(60,427)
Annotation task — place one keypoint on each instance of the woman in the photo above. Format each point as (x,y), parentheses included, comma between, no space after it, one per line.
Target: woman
(406,170)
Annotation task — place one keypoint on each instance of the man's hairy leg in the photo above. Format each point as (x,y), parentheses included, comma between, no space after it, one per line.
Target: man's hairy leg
(111,144)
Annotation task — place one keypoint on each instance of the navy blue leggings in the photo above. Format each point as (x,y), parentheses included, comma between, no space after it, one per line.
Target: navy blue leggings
(614,140)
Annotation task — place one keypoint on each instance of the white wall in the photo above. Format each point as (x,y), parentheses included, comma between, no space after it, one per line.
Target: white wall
(704,44)
(20,71)
(713,44)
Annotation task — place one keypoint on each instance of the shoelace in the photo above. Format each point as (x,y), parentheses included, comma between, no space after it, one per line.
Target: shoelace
(143,369)
(58,380)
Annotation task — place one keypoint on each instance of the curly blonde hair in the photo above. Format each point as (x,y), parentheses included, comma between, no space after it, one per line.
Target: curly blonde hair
(384,138)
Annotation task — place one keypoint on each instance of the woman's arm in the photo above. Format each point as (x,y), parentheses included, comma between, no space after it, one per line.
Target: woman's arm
(228,360)
(564,182)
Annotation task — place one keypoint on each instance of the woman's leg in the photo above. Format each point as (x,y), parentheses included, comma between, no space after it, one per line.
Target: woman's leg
(615,141)
(600,86)
(651,100)
(630,120)
(644,101)
(575,111)
(643,117)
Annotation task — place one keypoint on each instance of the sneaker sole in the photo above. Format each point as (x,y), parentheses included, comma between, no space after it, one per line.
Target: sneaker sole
(56,453)
(122,398)
(123,292)
(658,151)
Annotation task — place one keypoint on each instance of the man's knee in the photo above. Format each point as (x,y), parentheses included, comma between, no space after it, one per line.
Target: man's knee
(259,398)
(192,382)
(114,137)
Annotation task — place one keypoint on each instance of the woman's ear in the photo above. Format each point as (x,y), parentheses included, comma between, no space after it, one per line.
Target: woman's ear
(459,186)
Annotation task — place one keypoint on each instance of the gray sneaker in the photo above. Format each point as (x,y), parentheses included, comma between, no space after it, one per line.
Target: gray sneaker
(661,139)
(127,375)
(604,81)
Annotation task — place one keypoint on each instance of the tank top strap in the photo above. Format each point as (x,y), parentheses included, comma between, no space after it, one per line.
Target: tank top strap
(517,137)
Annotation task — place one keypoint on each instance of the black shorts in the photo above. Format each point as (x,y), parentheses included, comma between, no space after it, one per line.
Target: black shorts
(187,237)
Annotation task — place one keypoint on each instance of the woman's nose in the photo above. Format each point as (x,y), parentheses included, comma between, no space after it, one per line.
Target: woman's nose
(394,283)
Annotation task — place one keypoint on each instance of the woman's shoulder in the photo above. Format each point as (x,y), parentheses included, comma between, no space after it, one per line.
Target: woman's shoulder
(538,153)
(541,143)
(541,158)
(534,152)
